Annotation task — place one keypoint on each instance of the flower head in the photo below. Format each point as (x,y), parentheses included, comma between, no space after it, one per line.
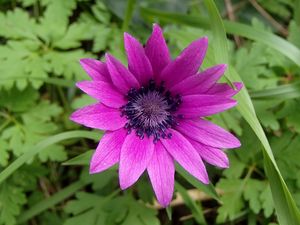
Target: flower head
(153,113)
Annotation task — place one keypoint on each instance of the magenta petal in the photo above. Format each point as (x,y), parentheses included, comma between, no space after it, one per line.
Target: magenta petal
(208,133)
(96,69)
(200,82)
(225,89)
(157,50)
(138,63)
(213,156)
(186,155)
(121,77)
(104,92)
(161,171)
(99,116)
(135,156)
(186,64)
(108,151)
(193,106)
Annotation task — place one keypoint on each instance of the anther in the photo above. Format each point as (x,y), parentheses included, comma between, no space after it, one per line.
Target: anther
(150,111)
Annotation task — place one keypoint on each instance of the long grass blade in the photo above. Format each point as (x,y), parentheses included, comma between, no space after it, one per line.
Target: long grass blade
(30,153)
(287,211)
(267,38)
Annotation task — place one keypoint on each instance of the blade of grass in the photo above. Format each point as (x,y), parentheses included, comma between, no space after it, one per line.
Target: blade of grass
(128,14)
(53,200)
(281,92)
(82,159)
(286,209)
(31,152)
(59,197)
(269,39)
(208,189)
(169,212)
(49,80)
(195,208)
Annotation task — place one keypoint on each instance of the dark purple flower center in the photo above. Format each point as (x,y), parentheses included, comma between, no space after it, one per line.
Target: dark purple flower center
(150,111)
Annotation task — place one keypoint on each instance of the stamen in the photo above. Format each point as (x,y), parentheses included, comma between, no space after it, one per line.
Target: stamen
(150,111)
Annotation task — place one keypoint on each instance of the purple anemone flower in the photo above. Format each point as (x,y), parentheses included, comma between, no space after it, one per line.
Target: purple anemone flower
(153,113)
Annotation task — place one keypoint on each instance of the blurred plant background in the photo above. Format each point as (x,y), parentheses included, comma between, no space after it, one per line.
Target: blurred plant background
(41,42)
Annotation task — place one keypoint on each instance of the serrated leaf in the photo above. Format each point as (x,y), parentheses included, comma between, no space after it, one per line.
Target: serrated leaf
(11,200)
(236,167)
(266,115)
(253,188)
(17,24)
(232,193)
(73,36)
(34,126)
(30,66)
(4,153)
(267,201)
(66,63)
(53,153)
(18,101)
(251,65)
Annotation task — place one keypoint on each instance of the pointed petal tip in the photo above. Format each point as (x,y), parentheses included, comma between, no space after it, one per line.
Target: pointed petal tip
(108,57)
(123,185)
(224,66)
(204,40)
(127,36)
(72,117)
(93,170)
(79,84)
(85,61)
(226,165)
(205,180)
(156,26)
(238,85)
(238,143)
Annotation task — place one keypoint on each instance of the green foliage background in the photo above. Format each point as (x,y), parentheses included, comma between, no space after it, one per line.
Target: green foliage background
(44,157)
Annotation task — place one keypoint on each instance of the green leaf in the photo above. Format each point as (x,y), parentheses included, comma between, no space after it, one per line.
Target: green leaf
(17,24)
(123,210)
(12,199)
(4,153)
(232,194)
(252,63)
(53,153)
(289,112)
(66,63)
(18,101)
(72,38)
(266,115)
(267,201)
(33,126)
(253,188)
(30,64)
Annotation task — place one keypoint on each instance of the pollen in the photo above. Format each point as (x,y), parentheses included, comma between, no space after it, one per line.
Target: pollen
(150,111)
